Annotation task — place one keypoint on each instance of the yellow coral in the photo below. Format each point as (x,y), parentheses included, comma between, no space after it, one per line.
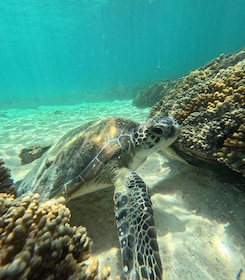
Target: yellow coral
(36,239)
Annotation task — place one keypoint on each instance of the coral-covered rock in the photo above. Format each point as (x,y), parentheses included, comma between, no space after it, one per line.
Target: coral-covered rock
(150,95)
(6,182)
(29,154)
(37,241)
(210,106)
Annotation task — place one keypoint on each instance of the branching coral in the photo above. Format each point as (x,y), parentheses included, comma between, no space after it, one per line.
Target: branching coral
(6,183)
(37,242)
(210,106)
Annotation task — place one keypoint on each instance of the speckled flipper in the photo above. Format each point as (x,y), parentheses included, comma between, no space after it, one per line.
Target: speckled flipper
(137,236)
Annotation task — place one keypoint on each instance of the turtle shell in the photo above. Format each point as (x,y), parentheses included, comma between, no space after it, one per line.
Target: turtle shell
(79,156)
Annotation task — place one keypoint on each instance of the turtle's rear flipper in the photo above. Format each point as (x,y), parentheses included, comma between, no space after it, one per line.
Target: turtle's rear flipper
(137,236)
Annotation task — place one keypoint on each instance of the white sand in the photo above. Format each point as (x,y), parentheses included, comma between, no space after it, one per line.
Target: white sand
(199,215)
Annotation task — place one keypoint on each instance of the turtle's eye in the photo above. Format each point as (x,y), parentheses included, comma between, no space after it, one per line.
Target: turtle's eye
(157,131)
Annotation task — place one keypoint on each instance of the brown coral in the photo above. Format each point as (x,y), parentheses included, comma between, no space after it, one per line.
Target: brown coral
(6,182)
(210,106)
(37,241)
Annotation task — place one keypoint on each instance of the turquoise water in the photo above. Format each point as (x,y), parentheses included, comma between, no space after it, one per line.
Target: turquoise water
(60,52)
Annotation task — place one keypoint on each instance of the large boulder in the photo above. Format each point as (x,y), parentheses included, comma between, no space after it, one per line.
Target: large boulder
(209,104)
(32,153)
(151,94)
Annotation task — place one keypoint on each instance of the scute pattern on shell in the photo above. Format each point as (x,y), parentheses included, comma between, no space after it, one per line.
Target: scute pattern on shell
(78,157)
(110,139)
(209,104)
(37,241)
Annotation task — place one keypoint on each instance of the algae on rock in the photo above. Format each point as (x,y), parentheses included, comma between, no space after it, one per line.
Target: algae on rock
(209,104)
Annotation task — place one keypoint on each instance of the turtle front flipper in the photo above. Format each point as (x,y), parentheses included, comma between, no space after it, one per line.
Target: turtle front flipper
(135,223)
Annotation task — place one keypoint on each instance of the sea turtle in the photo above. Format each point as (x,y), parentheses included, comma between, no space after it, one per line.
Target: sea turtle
(107,152)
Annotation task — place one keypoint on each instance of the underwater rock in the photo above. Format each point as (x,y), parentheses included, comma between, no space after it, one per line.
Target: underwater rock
(37,241)
(6,182)
(150,95)
(30,154)
(3,115)
(58,112)
(209,104)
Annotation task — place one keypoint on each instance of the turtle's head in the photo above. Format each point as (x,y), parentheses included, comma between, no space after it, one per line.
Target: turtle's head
(156,134)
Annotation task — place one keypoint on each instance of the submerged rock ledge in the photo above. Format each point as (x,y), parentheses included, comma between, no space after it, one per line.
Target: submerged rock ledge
(209,104)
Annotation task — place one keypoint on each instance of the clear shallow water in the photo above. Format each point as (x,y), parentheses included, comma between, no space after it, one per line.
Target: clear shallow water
(63,52)
(21,128)
(199,227)
(55,49)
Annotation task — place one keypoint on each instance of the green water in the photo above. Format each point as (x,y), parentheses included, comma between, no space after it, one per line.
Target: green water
(68,52)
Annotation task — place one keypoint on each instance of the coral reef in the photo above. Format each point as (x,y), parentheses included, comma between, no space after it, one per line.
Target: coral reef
(37,241)
(209,104)
(6,182)
(29,154)
(150,95)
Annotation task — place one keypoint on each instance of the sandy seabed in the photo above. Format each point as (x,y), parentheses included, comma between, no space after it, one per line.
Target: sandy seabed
(199,214)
